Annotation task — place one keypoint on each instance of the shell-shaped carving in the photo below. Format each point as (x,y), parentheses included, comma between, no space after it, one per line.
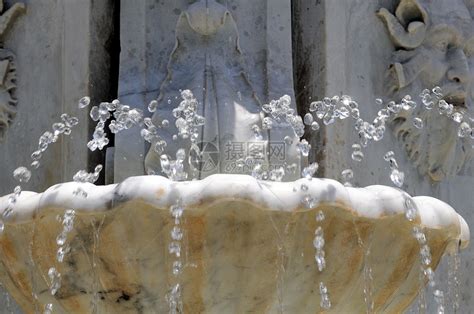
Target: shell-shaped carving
(247,246)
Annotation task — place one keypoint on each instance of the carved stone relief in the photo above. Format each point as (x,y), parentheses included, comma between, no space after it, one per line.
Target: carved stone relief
(207,60)
(7,69)
(434,42)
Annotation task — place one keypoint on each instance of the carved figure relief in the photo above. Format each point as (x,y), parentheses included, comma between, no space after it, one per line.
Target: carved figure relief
(207,60)
(434,42)
(8,99)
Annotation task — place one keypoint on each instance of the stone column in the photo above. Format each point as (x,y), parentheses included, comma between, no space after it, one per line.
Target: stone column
(61,55)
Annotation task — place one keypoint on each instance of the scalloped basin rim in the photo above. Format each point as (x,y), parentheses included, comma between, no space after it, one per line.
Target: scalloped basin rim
(371,202)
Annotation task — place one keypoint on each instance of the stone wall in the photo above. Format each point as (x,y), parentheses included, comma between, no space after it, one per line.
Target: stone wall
(64,50)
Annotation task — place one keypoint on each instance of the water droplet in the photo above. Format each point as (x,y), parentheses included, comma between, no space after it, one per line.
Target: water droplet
(430,276)
(288,140)
(425,255)
(62,251)
(439,298)
(388,155)
(355,113)
(320,216)
(159,147)
(36,155)
(45,139)
(457,117)
(394,107)
(176,233)
(397,177)
(58,128)
(181,154)
(315,126)
(98,169)
(316,106)
(17,190)
(257,171)
(94,113)
(347,176)
(61,239)
(444,107)
(175,248)
(48,309)
(177,267)
(308,172)
(22,174)
(110,106)
(291,168)
(267,123)
(357,154)
(418,123)
(328,118)
(257,132)
(325,303)
(84,102)
(320,260)
(464,130)
(309,202)
(177,210)
(308,119)
(343,113)
(410,209)
(419,235)
(152,106)
(277,174)
(55,278)
(303,147)
(437,91)
(318,242)
(304,187)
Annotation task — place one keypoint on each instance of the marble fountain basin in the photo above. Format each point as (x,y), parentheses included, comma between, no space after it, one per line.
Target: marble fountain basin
(247,246)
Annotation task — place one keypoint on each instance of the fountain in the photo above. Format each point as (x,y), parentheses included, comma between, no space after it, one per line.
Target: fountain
(231,215)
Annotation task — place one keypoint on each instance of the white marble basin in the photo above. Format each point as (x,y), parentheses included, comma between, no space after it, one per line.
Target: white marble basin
(248,246)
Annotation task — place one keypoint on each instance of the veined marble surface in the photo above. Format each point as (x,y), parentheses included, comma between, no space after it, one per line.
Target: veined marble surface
(247,245)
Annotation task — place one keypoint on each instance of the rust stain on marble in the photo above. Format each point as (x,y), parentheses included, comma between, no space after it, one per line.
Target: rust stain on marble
(195,227)
(160,192)
(8,249)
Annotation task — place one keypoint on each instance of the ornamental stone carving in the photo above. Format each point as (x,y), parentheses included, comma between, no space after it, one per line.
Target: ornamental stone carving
(434,42)
(8,99)
(207,60)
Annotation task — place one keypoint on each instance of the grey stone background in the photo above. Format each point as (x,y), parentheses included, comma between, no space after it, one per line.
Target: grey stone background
(69,48)
(64,50)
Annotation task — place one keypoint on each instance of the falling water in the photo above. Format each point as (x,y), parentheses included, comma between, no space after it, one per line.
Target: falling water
(454,262)
(96,226)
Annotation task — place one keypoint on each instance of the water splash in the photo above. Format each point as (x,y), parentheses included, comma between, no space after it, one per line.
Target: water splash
(187,121)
